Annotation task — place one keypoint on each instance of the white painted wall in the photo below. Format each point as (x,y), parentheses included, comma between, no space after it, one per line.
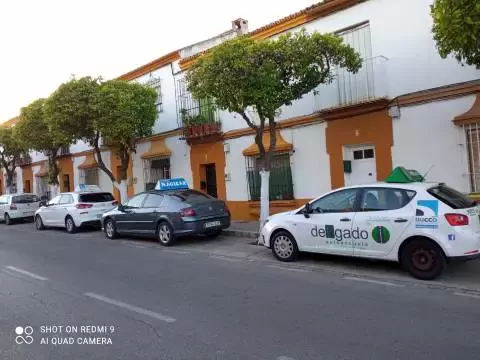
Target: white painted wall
(237,187)
(425,136)
(167,119)
(35,170)
(137,162)
(37,156)
(77,161)
(180,160)
(309,162)
(19,172)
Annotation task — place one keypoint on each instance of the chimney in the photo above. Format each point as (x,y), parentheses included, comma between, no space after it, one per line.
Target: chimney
(240,26)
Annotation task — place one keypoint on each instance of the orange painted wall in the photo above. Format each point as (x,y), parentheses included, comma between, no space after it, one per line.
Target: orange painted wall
(209,153)
(66,168)
(373,128)
(27,174)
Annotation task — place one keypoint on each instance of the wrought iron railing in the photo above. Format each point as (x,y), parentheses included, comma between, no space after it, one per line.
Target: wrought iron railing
(347,88)
(280,182)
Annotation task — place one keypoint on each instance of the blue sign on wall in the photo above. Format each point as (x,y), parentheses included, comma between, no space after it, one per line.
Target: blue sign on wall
(171,184)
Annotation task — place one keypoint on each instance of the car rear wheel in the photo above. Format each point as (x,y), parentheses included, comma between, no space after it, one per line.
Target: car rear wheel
(284,246)
(423,259)
(165,234)
(110,229)
(70,225)
(8,220)
(39,223)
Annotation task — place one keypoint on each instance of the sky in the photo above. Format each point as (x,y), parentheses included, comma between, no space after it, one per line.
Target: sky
(44,42)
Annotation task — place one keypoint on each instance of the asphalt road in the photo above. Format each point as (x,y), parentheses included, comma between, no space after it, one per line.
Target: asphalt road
(147,302)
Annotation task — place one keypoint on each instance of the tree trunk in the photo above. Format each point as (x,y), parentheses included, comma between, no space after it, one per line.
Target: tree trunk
(123,188)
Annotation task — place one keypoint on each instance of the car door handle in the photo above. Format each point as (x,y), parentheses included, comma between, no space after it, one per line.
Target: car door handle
(401,220)
(344,219)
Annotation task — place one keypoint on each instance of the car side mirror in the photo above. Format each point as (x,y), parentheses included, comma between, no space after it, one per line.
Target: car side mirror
(121,208)
(307,210)
(42,203)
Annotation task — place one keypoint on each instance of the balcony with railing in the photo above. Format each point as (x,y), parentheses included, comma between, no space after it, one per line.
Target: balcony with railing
(346,89)
(198,118)
(64,151)
(24,159)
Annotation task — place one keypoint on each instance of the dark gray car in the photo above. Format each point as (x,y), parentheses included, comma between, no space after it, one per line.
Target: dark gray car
(167,215)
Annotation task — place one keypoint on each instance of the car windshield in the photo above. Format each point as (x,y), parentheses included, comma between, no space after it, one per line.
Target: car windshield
(24,199)
(96,197)
(453,198)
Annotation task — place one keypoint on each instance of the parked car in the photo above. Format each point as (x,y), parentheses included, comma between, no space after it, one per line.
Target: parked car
(71,210)
(18,207)
(421,225)
(169,212)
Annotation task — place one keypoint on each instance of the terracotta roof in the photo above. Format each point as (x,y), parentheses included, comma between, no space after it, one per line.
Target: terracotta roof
(10,122)
(299,18)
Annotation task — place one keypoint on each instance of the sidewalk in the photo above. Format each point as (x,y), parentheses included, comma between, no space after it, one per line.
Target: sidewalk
(245,229)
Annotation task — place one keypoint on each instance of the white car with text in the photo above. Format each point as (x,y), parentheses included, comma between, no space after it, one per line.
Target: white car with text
(83,207)
(421,225)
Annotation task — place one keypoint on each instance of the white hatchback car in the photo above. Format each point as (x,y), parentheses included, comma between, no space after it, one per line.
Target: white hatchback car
(83,207)
(420,225)
(18,206)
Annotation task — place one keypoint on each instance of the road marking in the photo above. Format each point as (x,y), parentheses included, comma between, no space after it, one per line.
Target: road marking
(287,268)
(133,308)
(136,246)
(220,257)
(26,273)
(176,251)
(467,295)
(386,283)
(285,358)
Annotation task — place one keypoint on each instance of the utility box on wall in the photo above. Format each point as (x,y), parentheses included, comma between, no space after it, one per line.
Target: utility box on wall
(347,166)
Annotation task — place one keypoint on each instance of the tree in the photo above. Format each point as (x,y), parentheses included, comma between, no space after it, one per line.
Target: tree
(127,111)
(10,152)
(456,29)
(116,111)
(36,133)
(263,75)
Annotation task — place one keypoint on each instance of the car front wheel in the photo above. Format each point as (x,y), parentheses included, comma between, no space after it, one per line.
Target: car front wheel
(110,229)
(423,259)
(284,246)
(165,234)
(39,223)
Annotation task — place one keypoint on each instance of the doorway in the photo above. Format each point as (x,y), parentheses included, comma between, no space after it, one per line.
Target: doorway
(28,187)
(364,168)
(211,180)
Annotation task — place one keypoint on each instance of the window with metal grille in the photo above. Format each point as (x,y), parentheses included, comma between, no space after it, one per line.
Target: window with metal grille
(472,141)
(156,83)
(89,176)
(154,170)
(188,106)
(281,185)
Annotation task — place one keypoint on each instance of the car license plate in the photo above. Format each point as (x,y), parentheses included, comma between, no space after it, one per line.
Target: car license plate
(212,224)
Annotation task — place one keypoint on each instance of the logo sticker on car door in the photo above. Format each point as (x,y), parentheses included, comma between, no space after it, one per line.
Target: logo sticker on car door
(427,214)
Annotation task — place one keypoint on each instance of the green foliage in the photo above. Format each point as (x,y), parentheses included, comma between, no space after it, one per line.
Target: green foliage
(35,132)
(72,109)
(267,74)
(456,29)
(10,151)
(127,111)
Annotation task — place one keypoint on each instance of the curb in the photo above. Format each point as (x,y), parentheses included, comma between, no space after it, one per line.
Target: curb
(241,233)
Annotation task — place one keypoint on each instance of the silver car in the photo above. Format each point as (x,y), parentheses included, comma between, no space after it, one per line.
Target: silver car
(167,215)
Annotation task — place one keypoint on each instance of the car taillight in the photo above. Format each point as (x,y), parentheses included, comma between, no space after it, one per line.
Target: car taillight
(13,207)
(188,212)
(83,206)
(457,219)
(114,202)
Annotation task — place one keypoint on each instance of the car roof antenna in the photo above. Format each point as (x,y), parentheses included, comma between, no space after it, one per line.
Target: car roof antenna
(425,176)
